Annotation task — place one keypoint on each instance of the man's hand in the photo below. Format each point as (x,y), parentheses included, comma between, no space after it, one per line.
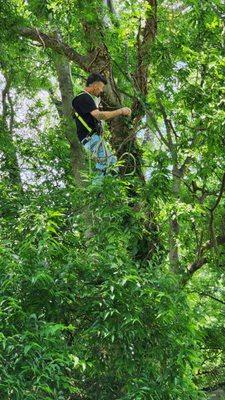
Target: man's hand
(125,111)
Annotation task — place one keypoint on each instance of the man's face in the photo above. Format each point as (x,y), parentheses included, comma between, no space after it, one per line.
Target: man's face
(98,88)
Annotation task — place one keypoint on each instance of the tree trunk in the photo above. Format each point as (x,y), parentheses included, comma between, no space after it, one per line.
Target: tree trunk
(66,89)
(174,225)
(11,165)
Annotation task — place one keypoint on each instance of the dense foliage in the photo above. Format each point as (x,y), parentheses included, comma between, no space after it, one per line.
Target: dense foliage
(113,288)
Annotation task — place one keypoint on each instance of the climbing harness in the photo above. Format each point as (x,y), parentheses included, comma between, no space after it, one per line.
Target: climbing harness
(99,146)
(78,116)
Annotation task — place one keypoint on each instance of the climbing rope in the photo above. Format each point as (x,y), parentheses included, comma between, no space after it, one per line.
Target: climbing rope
(135,163)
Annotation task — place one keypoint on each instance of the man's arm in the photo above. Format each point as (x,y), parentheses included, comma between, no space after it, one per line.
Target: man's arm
(105,115)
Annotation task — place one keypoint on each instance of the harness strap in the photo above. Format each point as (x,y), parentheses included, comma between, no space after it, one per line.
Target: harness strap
(78,116)
(83,122)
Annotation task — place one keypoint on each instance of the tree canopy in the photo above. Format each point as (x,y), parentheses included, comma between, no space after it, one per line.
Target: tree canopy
(112,288)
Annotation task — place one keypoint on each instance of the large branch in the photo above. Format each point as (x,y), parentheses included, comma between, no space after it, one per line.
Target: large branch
(222,189)
(220,240)
(145,37)
(110,5)
(212,297)
(53,42)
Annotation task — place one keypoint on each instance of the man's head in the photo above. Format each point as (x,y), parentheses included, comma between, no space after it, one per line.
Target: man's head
(96,83)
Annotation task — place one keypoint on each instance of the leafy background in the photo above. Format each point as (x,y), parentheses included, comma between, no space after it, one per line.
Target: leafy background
(92,304)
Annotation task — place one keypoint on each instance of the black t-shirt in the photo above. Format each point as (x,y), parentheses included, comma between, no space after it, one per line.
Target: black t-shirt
(83,104)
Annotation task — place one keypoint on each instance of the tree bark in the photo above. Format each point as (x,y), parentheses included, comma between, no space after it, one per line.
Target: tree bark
(196,265)
(66,89)
(55,43)
(145,37)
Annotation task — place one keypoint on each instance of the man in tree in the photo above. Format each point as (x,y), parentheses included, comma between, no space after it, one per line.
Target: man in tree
(88,119)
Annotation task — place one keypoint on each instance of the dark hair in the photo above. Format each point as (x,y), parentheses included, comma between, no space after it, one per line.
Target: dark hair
(95,77)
